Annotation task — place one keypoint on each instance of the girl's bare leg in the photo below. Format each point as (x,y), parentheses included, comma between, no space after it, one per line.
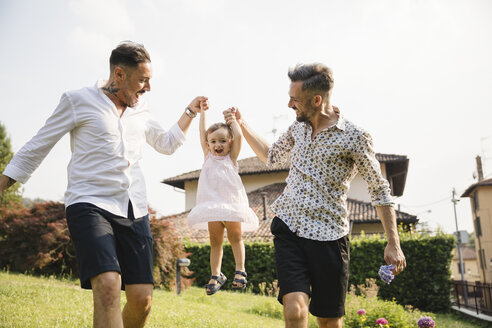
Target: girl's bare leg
(234,234)
(216,232)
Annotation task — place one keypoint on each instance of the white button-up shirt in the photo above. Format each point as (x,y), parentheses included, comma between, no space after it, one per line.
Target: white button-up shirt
(313,204)
(106,150)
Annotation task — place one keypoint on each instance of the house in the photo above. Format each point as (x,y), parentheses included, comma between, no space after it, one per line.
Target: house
(480,195)
(469,264)
(263,185)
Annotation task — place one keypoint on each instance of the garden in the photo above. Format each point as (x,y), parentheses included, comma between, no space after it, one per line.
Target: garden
(39,286)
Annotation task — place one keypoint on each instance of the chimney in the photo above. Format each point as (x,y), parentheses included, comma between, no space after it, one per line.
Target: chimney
(479,168)
(264,194)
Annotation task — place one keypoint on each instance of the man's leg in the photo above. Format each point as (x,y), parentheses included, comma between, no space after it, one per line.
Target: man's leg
(94,242)
(330,322)
(138,304)
(296,313)
(293,275)
(329,280)
(106,289)
(296,310)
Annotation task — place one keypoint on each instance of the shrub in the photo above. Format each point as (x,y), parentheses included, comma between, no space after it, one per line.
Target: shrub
(37,240)
(425,283)
(167,249)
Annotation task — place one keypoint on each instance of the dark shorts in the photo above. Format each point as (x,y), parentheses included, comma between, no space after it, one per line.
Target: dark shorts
(107,242)
(318,268)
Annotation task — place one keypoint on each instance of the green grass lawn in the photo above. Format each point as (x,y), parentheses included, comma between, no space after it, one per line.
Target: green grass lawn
(27,301)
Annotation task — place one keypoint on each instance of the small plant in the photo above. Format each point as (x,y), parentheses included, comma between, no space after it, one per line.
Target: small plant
(368,289)
(262,287)
(382,322)
(426,322)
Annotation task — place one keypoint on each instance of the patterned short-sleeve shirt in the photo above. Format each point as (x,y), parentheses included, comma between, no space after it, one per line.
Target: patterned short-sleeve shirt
(313,204)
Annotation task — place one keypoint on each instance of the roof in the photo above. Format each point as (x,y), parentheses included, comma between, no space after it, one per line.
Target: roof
(359,212)
(396,169)
(467,253)
(471,188)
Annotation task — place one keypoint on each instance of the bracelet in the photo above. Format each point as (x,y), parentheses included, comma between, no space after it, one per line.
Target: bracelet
(190,113)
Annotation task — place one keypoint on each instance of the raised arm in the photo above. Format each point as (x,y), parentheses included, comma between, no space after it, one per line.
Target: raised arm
(167,141)
(184,121)
(257,143)
(236,133)
(203,126)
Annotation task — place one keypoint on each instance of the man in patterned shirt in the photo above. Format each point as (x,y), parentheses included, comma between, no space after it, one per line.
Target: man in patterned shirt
(311,227)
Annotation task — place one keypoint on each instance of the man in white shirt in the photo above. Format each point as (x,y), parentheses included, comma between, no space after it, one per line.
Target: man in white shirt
(311,228)
(105,199)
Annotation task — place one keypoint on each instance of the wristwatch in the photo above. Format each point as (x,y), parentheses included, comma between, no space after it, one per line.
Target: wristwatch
(190,113)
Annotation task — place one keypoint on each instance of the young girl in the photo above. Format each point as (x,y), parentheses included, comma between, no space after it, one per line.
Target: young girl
(221,201)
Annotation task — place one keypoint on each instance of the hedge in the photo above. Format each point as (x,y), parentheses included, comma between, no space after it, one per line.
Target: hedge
(425,284)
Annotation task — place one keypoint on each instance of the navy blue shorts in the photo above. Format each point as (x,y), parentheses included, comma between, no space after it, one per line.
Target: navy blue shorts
(318,268)
(107,242)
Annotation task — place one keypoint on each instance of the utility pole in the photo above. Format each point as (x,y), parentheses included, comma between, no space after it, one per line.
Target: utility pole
(462,268)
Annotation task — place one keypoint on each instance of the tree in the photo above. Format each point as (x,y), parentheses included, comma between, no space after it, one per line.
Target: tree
(13,194)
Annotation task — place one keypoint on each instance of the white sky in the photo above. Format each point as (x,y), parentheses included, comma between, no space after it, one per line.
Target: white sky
(417,74)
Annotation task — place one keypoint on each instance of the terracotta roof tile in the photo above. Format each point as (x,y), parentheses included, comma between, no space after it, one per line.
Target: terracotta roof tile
(468,253)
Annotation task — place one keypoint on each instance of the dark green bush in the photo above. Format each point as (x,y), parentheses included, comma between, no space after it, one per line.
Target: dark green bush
(425,284)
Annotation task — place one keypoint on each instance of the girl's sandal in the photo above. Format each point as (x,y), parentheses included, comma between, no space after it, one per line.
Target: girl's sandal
(242,281)
(213,288)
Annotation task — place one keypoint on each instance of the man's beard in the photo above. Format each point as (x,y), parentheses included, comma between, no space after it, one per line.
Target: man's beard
(306,115)
(302,118)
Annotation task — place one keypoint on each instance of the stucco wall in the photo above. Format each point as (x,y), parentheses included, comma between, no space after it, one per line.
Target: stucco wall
(358,187)
(484,241)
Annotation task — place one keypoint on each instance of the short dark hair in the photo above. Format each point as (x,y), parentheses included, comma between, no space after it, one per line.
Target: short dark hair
(316,77)
(214,127)
(129,54)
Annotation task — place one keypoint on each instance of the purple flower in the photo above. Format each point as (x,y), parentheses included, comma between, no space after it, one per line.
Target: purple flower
(381,321)
(426,322)
(386,274)
(361,312)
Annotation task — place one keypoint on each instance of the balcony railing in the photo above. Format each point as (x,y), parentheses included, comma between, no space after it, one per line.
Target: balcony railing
(473,296)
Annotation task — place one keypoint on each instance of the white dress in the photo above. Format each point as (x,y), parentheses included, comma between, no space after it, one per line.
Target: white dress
(221,196)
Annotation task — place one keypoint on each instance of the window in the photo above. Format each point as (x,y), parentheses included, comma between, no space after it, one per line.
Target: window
(483,264)
(478,227)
